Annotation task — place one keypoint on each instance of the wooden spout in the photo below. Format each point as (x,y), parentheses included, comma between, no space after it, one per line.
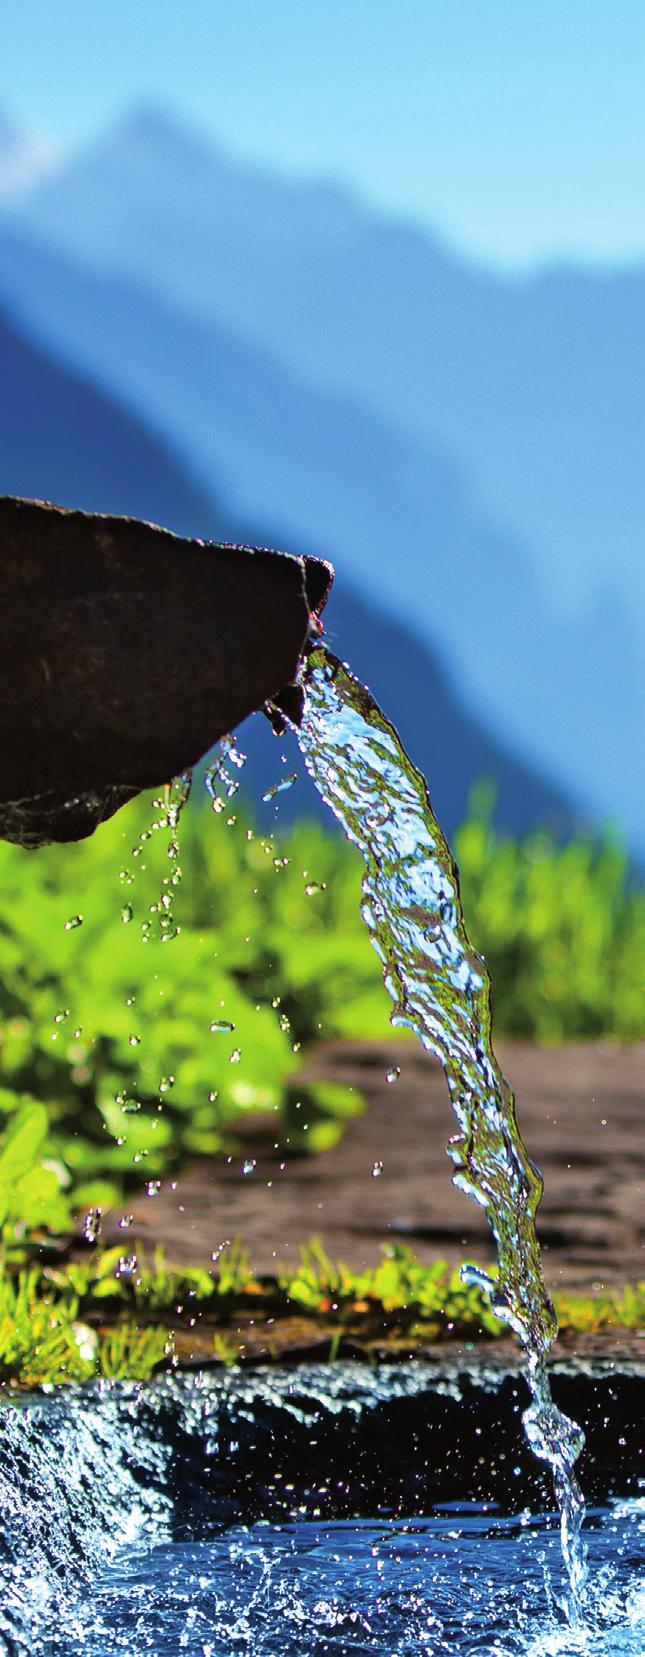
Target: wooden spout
(126,652)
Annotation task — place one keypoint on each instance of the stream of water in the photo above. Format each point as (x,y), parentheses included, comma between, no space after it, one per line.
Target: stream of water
(272,1514)
(441,989)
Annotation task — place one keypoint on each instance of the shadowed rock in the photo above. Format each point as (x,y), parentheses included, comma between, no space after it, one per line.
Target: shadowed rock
(126,653)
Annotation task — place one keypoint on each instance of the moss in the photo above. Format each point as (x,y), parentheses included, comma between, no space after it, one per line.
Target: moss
(83,1320)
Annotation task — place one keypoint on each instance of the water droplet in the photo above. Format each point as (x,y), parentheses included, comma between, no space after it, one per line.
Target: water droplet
(279,787)
(134,1041)
(284,1022)
(126,1265)
(126,876)
(127,913)
(236,1055)
(59,1018)
(166,1083)
(249,1166)
(221,1027)
(392,1075)
(377,1170)
(315,886)
(153,1187)
(77,1033)
(130,1107)
(125,1222)
(475,1278)
(169,931)
(73,922)
(92,1225)
(130,1000)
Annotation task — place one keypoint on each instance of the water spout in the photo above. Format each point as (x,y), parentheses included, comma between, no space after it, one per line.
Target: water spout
(441,990)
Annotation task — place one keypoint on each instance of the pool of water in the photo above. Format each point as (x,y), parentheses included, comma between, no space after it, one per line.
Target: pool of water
(455,1582)
(327,1509)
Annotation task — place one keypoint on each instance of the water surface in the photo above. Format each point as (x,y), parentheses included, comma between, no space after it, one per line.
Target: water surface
(459,1582)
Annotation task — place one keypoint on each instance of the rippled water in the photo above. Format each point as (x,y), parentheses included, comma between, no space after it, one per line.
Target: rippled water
(441,989)
(277,1511)
(452,1583)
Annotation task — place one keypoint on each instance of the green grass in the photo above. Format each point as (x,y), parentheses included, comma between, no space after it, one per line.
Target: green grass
(86,1320)
(561,927)
(45,1342)
(147,1032)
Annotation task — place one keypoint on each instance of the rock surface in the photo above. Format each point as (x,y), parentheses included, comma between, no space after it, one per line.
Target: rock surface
(126,653)
(580,1113)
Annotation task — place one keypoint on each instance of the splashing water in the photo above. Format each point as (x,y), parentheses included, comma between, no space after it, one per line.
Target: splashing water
(112,1543)
(441,990)
(170,804)
(219,780)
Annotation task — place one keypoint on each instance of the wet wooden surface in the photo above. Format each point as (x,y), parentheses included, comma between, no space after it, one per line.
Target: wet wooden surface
(581,1116)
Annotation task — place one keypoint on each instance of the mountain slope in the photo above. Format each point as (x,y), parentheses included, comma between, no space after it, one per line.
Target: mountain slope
(61,439)
(536,385)
(395,515)
(23,158)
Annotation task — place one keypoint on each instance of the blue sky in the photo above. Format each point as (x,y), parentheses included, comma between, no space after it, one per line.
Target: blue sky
(515,127)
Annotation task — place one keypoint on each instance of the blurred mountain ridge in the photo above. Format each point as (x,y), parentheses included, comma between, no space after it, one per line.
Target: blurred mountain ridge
(465,446)
(24,158)
(527,378)
(396,518)
(62,439)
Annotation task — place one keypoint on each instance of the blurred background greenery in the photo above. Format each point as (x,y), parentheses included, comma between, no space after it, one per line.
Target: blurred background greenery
(132,1036)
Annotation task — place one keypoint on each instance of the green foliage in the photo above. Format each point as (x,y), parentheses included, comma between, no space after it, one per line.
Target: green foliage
(611,1309)
(41,1339)
(127,1353)
(43,1342)
(432,1296)
(82,1320)
(32,1196)
(315,1114)
(157,1287)
(561,929)
(111,1026)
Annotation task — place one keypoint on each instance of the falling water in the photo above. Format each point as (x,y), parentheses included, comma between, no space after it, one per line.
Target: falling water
(441,989)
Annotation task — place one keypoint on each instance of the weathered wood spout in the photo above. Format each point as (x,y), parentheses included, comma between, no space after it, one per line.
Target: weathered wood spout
(125,653)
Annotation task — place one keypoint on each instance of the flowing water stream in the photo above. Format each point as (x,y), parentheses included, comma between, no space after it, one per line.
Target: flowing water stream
(441,989)
(335,1509)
